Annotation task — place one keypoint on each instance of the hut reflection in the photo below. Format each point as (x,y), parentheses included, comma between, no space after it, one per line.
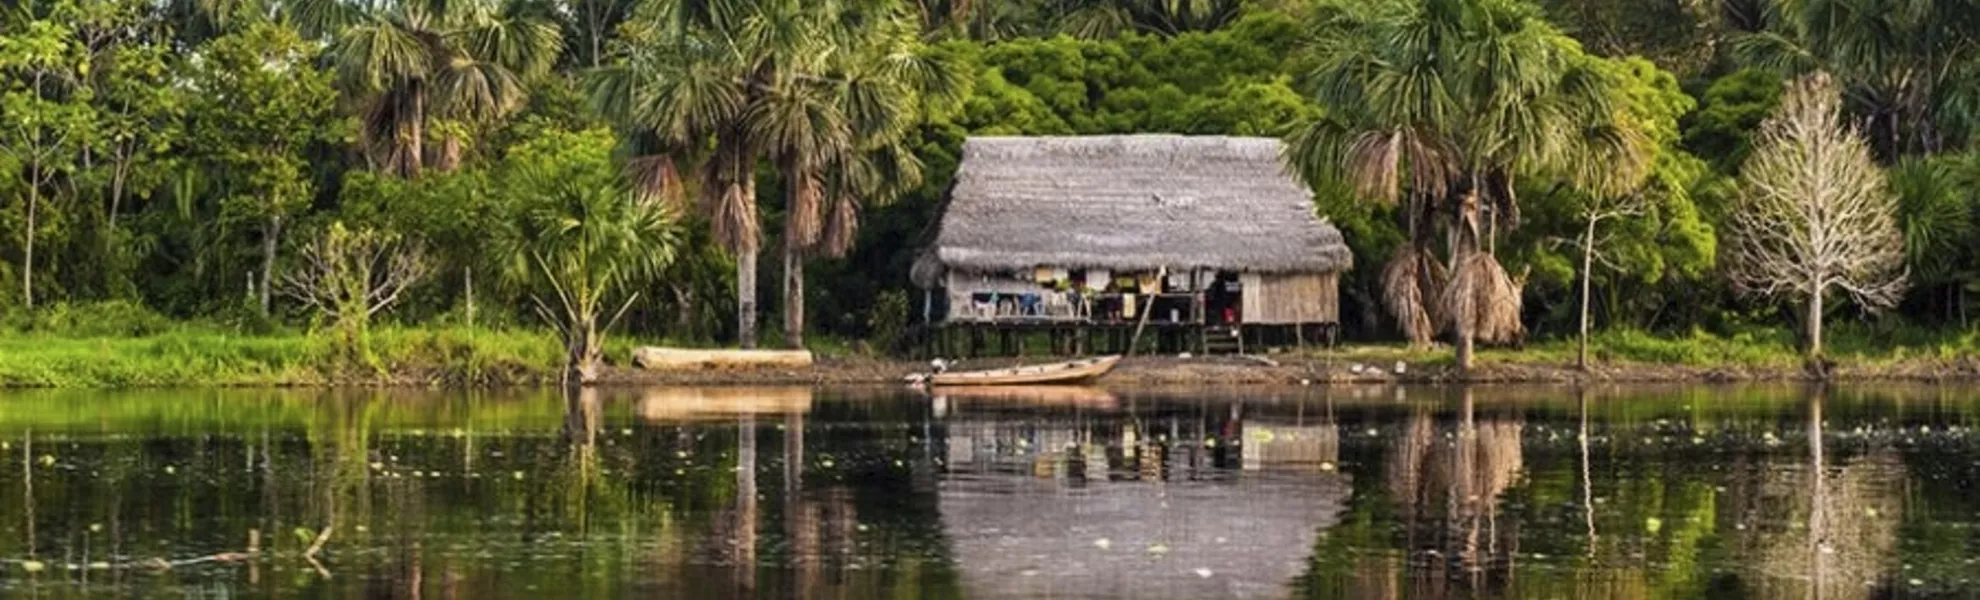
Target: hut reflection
(1089,498)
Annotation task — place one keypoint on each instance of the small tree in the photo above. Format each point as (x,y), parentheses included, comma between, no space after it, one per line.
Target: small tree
(1599,209)
(583,246)
(1814,212)
(349,276)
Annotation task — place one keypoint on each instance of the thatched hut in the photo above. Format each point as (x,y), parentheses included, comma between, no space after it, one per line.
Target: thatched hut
(1201,233)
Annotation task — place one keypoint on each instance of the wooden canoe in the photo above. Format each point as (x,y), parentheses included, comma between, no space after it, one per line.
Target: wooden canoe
(1064,372)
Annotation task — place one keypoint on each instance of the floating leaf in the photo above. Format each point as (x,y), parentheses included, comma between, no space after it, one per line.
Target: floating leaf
(1653,525)
(33,566)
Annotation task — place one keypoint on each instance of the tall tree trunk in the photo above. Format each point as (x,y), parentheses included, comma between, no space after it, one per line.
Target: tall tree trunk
(1815,321)
(117,177)
(793,296)
(746,297)
(27,255)
(450,154)
(800,231)
(581,354)
(271,232)
(414,155)
(1587,273)
(1463,345)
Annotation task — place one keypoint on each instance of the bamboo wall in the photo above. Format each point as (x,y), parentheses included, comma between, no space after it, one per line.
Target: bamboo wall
(1290,299)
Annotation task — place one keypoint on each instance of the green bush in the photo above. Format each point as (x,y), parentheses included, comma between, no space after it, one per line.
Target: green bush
(99,319)
(887,321)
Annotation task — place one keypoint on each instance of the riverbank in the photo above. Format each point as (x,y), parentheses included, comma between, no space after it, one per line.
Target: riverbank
(461,357)
(1325,368)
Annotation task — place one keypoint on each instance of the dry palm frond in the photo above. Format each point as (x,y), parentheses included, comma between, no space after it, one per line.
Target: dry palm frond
(1375,163)
(728,195)
(1430,281)
(1378,161)
(804,214)
(841,225)
(1403,291)
(1484,298)
(655,178)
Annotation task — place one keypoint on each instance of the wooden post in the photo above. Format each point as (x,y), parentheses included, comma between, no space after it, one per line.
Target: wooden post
(1146,308)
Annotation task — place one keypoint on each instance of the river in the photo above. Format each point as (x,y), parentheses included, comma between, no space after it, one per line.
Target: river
(1312,492)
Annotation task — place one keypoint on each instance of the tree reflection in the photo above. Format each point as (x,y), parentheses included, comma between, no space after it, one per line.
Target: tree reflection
(1843,537)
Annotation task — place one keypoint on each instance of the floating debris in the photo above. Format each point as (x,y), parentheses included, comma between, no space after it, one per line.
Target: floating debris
(1103,544)
(1204,573)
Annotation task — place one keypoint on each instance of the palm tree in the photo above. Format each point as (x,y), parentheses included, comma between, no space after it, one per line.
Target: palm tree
(1440,105)
(1105,18)
(725,84)
(1908,66)
(584,246)
(413,66)
(836,135)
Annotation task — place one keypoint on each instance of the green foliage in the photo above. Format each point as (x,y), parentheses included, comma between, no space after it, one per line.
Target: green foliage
(168,150)
(887,321)
(115,318)
(1728,113)
(581,245)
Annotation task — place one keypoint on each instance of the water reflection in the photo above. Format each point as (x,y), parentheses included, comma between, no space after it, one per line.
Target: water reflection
(800,493)
(1093,499)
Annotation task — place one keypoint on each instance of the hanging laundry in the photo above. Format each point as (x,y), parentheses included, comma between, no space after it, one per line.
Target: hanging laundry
(1096,279)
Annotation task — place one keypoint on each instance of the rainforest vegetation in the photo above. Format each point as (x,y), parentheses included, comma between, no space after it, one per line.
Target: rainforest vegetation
(344,184)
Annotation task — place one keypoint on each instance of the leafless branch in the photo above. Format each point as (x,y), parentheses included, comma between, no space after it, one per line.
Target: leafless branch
(354,274)
(1815,213)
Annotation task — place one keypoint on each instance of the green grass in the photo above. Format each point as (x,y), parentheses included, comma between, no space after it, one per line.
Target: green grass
(104,347)
(1761,349)
(199,356)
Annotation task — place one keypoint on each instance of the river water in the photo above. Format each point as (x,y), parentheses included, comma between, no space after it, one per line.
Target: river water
(1362,492)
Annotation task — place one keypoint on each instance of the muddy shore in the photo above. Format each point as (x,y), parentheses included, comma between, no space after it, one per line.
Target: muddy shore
(1221,370)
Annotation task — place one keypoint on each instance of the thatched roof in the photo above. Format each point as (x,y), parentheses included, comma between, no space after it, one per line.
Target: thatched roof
(1135,202)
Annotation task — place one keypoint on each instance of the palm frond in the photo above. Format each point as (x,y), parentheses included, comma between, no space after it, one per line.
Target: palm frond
(377,55)
(475,91)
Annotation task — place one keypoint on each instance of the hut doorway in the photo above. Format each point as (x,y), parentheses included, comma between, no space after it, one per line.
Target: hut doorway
(1223,302)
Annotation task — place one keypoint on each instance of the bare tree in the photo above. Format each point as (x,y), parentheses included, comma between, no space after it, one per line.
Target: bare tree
(351,275)
(1600,208)
(1814,213)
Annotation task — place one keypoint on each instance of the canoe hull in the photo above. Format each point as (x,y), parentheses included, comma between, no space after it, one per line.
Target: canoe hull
(1065,372)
